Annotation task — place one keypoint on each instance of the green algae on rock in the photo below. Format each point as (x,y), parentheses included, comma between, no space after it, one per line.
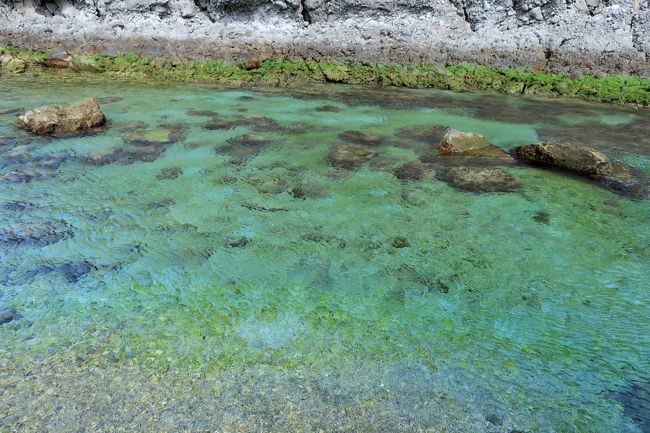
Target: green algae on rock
(288,71)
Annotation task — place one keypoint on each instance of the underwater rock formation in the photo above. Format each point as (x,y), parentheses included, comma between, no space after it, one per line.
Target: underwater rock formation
(350,156)
(38,233)
(63,120)
(475,179)
(155,137)
(8,315)
(364,138)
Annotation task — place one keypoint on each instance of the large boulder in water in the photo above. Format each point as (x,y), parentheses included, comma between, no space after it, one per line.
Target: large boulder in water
(456,142)
(63,119)
(579,159)
(586,161)
(476,179)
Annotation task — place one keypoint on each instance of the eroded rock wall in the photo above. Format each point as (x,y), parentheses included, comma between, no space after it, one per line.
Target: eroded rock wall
(576,36)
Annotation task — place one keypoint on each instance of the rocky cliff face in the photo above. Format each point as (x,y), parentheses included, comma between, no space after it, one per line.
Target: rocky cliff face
(598,36)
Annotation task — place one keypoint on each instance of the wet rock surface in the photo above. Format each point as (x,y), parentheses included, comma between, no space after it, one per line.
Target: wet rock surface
(63,120)
(579,159)
(586,161)
(475,179)
(456,142)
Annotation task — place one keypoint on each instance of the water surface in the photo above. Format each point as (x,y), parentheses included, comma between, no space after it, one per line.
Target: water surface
(210,284)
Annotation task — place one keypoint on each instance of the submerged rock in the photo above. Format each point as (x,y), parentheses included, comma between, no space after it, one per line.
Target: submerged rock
(475,179)
(219,124)
(413,170)
(250,140)
(635,398)
(305,191)
(74,271)
(364,138)
(131,126)
(625,180)
(156,137)
(169,173)
(8,315)
(456,142)
(260,123)
(38,233)
(63,120)
(10,111)
(270,184)
(202,113)
(328,109)
(430,134)
(109,99)
(237,242)
(27,174)
(586,161)
(350,156)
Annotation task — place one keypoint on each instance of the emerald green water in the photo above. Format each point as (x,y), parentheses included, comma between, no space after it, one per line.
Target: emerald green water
(262,289)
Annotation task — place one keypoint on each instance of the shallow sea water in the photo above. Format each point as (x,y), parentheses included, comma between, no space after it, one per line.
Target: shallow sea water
(259,289)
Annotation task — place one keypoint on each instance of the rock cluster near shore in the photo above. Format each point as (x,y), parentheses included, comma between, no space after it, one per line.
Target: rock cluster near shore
(573,36)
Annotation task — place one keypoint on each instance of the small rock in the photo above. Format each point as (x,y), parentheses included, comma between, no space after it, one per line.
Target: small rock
(475,179)
(364,138)
(542,217)
(456,142)
(252,62)
(8,315)
(63,120)
(401,242)
(350,156)
(74,271)
(219,124)
(56,63)
(169,173)
(202,113)
(536,14)
(328,109)
(238,242)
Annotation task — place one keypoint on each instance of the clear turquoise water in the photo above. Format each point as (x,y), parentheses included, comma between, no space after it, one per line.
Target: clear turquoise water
(526,311)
